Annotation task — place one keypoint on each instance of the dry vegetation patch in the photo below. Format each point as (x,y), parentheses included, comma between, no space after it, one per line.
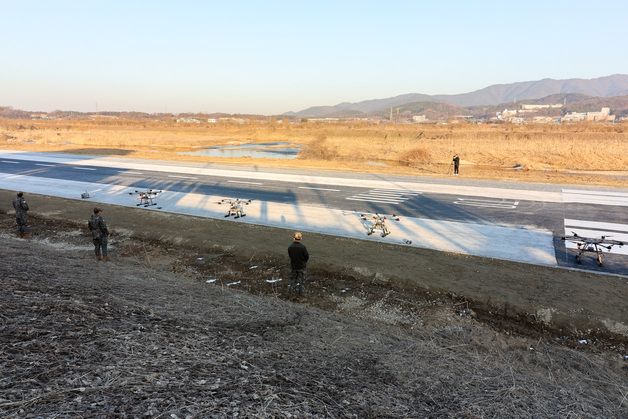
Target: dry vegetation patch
(488,151)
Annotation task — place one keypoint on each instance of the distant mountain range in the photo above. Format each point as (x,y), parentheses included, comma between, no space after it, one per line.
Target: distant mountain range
(572,90)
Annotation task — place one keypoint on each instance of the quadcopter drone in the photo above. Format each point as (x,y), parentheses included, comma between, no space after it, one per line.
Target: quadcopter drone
(236,206)
(146,198)
(377,222)
(593,245)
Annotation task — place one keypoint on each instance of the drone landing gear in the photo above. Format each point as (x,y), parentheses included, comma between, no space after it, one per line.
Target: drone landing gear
(593,249)
(384,233)
(235,215)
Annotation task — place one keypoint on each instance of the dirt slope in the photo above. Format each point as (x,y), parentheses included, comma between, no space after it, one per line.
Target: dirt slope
(146,335)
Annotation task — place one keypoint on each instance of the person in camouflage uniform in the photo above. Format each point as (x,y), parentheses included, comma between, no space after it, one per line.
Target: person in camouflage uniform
(100,234)
(21,214)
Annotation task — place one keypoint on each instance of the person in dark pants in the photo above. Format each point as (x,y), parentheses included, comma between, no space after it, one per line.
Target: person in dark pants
(21,215)
(456,163)
(100,234)
(298,261)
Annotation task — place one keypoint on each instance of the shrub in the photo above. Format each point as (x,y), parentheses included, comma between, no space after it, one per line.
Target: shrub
(415,157)
(319,150)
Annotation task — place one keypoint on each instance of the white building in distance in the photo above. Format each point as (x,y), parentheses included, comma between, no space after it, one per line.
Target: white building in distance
(539,107)
(604,115)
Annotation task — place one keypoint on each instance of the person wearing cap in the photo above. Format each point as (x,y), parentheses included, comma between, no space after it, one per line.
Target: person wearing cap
(100,234)
(21,214)
(298,261)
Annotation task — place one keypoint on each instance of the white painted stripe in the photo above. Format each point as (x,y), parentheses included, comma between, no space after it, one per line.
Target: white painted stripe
(8,161)
(596,225)
(83,168)
(319,189)
(248,183)
(182,177)
(368,198)
(45,165)
(596,199)
(585,192)
(489,201)
(485,205)
(396,191)
(383,196)
(375,200)
(131,172)
(384,192)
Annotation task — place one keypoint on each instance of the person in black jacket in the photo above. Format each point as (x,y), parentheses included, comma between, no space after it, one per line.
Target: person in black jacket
(456,162)
(298,262)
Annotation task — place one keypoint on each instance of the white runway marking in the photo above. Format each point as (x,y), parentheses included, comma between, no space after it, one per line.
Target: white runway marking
(319,189)
(384,196)
(595,197)
(597,229)
(183,177)
(487,203)
(131,172)
(83,168)
(8,161)
(45,165)
(248,183)
(379,201)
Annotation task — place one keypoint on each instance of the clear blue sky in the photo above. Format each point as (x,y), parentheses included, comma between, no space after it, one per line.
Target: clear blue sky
(275,56)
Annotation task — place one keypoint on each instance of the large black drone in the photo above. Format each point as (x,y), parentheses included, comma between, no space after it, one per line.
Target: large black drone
(593,245)
(236,206)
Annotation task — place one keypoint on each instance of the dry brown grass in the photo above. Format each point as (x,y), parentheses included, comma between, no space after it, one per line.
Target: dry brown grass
(545,152)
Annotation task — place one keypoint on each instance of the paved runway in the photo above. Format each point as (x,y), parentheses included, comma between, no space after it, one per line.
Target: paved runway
(455,210)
